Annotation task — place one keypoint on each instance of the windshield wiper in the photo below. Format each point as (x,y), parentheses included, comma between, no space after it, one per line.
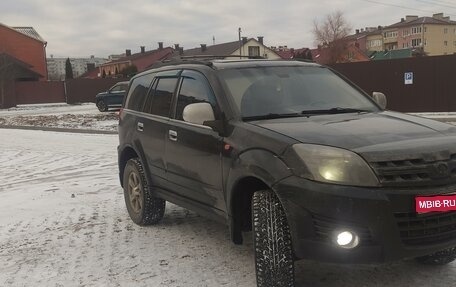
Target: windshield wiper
(337,110)
(271,116)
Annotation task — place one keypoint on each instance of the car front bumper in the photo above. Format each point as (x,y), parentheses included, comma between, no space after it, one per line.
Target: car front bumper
(384,219)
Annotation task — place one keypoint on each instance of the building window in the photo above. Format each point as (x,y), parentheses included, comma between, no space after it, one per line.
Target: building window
(254,51)
(416,42)
(405,33)
(445,30)
(416,30)
(445,43)
(390,34)
(406,45)
(374,43)
(425,29)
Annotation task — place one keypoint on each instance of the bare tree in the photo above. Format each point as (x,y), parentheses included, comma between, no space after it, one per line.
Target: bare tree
(331,33)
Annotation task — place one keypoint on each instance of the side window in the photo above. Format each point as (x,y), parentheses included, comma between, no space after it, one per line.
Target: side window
(163,96)
(119,88)
(194,89)
(123,87)
(138,92)
(116,88)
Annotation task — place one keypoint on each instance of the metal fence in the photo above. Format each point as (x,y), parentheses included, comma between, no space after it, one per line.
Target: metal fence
(425,84)
(39,92)
(85,90)
(71,91)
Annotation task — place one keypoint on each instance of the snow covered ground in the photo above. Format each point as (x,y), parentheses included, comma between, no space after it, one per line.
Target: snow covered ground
(63,220)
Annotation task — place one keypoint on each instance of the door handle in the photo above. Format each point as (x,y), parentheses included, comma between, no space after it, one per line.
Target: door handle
(140,126)
(172,135)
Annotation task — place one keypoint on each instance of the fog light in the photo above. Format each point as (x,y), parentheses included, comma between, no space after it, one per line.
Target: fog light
(347,239)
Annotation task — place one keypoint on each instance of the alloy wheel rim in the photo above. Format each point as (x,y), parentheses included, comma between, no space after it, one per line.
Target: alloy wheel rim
(135,192)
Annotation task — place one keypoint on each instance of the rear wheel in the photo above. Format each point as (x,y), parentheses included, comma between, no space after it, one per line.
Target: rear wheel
(272,241)
(439,258)
(102,107)
(143,208)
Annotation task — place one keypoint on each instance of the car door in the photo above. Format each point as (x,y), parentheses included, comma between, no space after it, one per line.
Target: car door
(193,152)
(116,94)
(153,124)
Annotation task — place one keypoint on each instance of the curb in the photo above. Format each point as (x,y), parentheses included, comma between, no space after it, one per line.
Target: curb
(62,130)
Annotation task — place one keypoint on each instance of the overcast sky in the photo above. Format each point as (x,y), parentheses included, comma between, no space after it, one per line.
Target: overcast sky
(75,28)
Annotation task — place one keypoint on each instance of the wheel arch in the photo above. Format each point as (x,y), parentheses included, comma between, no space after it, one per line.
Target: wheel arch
(126,154)
(254,170)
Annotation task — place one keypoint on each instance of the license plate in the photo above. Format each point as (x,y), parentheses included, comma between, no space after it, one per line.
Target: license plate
(440,203)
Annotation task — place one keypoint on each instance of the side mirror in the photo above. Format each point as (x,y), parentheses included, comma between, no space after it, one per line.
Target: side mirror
(380,99)
(198,113)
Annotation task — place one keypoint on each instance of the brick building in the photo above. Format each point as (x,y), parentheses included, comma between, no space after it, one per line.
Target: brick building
(26,45)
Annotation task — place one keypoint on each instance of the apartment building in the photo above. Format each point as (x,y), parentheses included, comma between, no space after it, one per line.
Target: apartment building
(56,66)
(434,36)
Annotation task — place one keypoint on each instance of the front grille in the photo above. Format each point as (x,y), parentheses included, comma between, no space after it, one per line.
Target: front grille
(416,171)
(325,228)
(424,229)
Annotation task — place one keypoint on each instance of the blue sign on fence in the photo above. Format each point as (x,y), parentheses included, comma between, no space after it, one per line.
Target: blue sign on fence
(408,78)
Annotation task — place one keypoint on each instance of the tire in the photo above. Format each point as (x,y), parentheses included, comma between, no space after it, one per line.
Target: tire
(439,258)
(272,242)
(102,107)
(143,208)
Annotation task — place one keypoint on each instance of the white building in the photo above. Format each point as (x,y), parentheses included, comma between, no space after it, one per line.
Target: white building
(56,66)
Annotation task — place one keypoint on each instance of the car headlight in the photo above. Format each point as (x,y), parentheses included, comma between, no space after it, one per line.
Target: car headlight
(334,165)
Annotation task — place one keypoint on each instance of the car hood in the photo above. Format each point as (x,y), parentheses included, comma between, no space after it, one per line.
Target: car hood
(101,94)
(365,133)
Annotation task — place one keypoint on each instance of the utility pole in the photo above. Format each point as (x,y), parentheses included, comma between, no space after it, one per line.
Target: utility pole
(240,44)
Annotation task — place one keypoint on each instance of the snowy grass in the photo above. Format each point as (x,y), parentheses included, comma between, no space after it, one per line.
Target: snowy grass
(60,115)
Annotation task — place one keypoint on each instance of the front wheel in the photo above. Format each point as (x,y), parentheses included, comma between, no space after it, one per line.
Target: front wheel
(102,107)
(439,258)
(272,241)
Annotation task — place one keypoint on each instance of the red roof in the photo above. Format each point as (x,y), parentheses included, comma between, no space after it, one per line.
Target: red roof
(143,60)
(322,55)
(290,53)
(91,74)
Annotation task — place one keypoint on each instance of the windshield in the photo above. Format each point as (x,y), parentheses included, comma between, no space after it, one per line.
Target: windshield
(292,91)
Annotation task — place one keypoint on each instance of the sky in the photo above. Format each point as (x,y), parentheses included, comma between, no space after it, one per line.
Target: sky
(75,28)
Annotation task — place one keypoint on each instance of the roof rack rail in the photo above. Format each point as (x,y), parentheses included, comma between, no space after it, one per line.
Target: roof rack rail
(198,59)
(214,57)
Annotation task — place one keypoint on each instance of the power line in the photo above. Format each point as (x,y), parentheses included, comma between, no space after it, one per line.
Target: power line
(441,1)
(403,7)
(438,4)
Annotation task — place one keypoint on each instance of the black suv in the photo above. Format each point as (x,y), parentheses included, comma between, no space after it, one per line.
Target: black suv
(112,98)
(297,154)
